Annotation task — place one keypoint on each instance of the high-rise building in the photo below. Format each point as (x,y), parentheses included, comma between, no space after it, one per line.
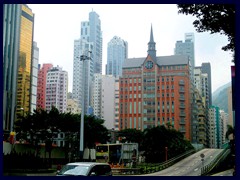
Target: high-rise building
(206,68)
(82,72)
(97,95)
(17,54)
(56,89)
(11,38)
(213,115)
(216,127)
(117,53)
(201,83)
(25,61)
(34,77)
(41,87)
(116,122)
(186,48)
(104,99)
(155,91)
(108,101)
(91,32)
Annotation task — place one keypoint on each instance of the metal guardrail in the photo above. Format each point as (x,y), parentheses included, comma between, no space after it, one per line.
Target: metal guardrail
(148,168)
(208,168)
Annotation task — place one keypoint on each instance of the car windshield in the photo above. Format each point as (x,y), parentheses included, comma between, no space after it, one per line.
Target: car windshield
(74,170)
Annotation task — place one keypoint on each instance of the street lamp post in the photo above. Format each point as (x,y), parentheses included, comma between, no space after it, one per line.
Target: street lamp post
(166,153)
(81,144)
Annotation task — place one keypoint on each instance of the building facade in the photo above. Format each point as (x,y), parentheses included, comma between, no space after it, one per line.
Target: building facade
(117,53)
(25,61)
(82,72)
(186,48)
(91,32)
(11,38)
(72,106)
(18,26)
(108,101)
(41,85)
(56,89)
(97,95)
(155,91)
(34,77)
(201,83)
(206,69)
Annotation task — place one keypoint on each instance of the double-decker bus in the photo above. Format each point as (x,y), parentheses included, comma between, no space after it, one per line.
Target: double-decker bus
(116,153)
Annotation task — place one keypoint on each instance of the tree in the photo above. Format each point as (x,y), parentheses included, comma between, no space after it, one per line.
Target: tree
(158,138)
(131,135)
(216,18)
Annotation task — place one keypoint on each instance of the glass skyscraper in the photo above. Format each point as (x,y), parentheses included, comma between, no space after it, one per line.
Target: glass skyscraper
(17,62)
(117,53)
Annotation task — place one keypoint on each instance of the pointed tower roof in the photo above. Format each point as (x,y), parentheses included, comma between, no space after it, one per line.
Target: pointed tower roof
(151,35)
(151,46)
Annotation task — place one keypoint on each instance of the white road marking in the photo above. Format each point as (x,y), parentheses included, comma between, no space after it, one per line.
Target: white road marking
(196,169)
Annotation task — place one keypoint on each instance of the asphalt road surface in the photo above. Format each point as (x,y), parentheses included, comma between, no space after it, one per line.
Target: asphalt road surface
(190,166)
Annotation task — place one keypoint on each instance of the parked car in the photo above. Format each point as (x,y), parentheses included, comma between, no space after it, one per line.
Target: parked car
(85,169)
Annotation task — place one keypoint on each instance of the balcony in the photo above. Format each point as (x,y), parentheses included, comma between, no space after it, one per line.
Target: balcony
(182,122)
(181,98)
(182,106)
(182,114)
(183,130)
(181,83)
(181,90)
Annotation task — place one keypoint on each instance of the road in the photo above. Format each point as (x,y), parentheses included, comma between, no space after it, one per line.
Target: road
(190,166)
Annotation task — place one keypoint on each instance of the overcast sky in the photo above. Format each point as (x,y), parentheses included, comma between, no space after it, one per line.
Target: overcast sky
(58,25)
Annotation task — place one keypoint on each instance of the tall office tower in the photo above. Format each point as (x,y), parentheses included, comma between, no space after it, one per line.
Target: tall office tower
(82,72)
(17,48)
(57,89)
(41,85)
(206,68)
(91,32)
(11,38)
(34,77)
(116,55)
(155,91)
(25,61)
(186,48)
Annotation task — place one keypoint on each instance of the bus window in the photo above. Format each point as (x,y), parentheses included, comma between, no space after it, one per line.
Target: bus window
(102,149)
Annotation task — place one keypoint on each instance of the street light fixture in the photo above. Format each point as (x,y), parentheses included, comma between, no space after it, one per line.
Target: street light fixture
(81,144)
(22,109)
(166,153)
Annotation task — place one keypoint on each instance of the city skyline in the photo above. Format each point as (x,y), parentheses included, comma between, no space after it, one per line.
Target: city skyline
(56,40)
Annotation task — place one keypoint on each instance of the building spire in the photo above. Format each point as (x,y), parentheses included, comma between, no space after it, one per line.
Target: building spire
(151,35)
(151,46)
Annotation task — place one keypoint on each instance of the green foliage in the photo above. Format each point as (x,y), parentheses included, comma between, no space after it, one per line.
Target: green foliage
(216,18)
(158,138)
(230,130)
(131,135)
(46,125)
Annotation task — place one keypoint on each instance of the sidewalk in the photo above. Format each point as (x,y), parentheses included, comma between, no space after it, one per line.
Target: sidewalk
(224,173)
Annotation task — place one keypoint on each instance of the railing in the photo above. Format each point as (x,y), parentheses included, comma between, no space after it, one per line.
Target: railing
(151,168)
(206,169)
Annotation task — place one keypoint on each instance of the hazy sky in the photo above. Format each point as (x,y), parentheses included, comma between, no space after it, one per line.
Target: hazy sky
(58,25)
